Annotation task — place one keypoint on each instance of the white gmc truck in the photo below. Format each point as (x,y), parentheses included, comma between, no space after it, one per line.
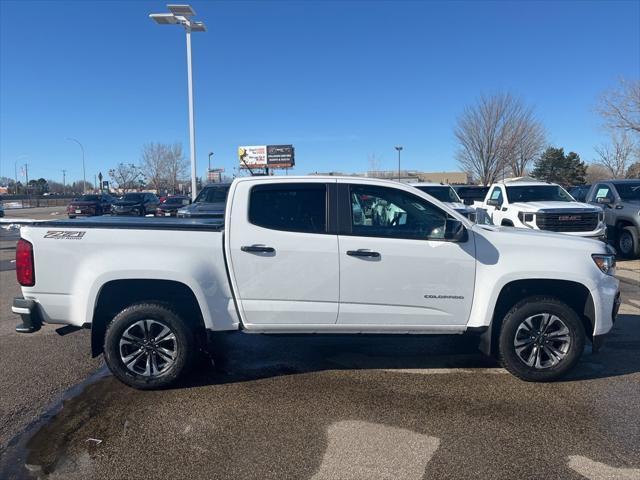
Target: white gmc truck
(528,203)
(315,255)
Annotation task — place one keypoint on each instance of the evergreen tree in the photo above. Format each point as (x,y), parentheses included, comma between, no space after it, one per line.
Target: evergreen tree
(556,167)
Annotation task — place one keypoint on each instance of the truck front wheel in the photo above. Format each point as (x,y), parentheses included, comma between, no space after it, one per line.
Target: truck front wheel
(541,339)
(628,242)
(148,346)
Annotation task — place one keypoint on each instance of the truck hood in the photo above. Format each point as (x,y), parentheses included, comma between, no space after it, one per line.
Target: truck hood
(555,206)
(525,239)
(122,203)
(460,207)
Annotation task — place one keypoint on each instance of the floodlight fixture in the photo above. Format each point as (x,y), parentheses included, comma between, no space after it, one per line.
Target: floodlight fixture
(182,10)
(164,18)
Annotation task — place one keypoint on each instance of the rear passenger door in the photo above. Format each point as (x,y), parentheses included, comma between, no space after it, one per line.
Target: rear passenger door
(283,255)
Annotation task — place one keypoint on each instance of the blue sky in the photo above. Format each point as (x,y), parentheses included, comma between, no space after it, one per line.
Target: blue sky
(339,80)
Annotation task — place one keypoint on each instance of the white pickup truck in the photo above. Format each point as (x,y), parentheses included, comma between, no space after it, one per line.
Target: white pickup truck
(315,255)
(528,203)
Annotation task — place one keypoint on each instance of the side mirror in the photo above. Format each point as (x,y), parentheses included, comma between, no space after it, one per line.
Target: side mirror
(494,203)
(455,231)
(467,201)
(604,201)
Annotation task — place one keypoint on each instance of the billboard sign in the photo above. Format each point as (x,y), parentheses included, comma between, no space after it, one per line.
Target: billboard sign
(253,156)
(280,156)
(266,156)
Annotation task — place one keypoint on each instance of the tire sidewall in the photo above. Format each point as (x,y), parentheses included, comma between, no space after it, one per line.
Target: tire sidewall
(528,308)
(121,322)
(627,232)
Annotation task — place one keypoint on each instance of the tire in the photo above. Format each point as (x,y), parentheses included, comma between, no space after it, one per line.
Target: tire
(172,357)
(565,337)
(628,244)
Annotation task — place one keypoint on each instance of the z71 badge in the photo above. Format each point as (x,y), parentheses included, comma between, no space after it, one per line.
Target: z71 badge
(64,235)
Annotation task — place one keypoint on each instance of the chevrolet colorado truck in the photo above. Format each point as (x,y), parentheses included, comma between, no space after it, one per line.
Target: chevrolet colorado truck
(301,255)
(528,203)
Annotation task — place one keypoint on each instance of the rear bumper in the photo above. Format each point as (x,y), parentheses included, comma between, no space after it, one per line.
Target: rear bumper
(29,314)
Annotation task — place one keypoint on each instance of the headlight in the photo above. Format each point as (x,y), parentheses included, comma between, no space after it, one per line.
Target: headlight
(526,218)
(605,262)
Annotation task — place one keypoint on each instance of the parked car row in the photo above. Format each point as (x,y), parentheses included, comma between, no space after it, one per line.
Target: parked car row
(209,203)
(607,211)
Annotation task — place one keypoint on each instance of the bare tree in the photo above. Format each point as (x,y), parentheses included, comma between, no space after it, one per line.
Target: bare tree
(496,134)
(596,173)
(177,166)
(528,140)
(163,164)
(126,176)
(616,156)
(620,107)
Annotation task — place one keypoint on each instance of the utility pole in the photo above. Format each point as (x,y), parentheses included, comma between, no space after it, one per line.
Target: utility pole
(399,149)
(64,181)
(26,173)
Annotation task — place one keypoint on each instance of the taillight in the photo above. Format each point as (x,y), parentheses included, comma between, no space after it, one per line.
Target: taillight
(25,269)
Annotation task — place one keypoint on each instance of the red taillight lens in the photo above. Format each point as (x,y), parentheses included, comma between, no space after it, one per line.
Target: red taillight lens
(25,269)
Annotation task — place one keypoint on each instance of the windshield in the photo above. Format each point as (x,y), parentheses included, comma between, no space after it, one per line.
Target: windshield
(132,197)
(628,191)
(538,193)
(472,193)
(213,195)
(444,193)
(89,198)
(176,201)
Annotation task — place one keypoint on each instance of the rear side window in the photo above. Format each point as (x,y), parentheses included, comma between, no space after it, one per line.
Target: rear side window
(294,207)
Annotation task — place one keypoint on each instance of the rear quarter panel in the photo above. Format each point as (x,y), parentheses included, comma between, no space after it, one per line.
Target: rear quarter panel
(71,269)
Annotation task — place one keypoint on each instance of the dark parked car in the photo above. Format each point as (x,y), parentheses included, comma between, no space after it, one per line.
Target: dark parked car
(170,205)
(136,204)
(209,203)
(620,200)
(90,204)
(579,192)
(471,193)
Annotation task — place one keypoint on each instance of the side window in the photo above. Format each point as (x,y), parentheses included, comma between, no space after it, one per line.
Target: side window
(294,207)
(604,191)
(496,194)
(393,213)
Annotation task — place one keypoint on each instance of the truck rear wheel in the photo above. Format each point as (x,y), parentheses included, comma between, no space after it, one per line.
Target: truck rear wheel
(148,346)
(541,339)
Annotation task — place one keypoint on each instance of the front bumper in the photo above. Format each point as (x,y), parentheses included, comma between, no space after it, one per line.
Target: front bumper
(29,314)
(598,340)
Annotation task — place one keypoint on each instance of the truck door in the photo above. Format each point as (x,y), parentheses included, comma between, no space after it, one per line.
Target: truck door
(396,267)
(283,260)
(493,205)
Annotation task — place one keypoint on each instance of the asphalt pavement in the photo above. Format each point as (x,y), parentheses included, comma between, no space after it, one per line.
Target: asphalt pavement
(320,407)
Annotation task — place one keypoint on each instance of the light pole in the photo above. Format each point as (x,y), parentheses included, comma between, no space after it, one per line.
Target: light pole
(399,149)
(181,14)
(209,171)
(84,175)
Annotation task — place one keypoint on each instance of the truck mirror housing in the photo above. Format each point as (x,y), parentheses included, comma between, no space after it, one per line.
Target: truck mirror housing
(493,202)
(603,200)
(455,231)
